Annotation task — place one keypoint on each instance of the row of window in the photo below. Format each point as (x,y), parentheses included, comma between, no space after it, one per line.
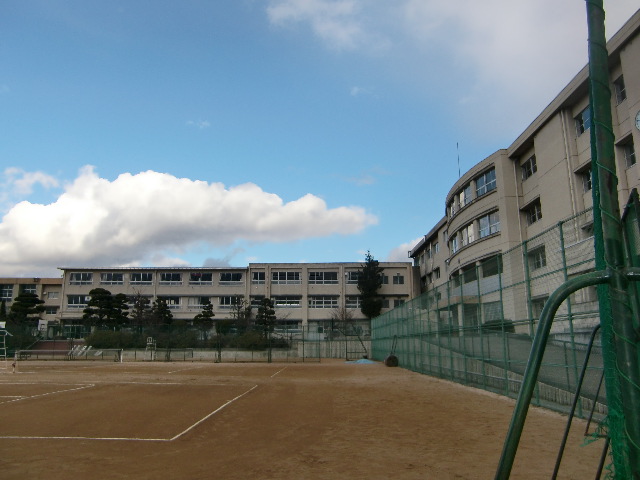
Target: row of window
(486,268)
(6,291)
(484,184)
(483,226)
(291,301)
(225,278)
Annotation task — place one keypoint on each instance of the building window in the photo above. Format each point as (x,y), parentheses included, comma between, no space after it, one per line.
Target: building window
(77,301)
(323,278)
(198,302)
(490,266)
(229,301)
(537,258)
(529,167)
(489,224)
(384,279)
(436,273)
(28,289)
(486,182)
(454,244)
(352,277)
(465,195)
(323,301)
(258,278)
(6,292)
(285,278)
(436,248)
(111,278)
(172,302)
(398,279)
(290,301)
(537,304)
(201,278)
(469,274)
(256,300)
(141,278)
(397,302)
(353,301)
(583,121)
(50,310)
(52,295)
(533,211)
(230,278)
(585,295)
(620,90)
(491,311)
(170,278)
(467,234)
(81,278)
(629,153)
(586,179)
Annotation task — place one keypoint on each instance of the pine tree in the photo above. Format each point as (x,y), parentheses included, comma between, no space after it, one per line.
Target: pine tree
(204,319)
(266,317)
(160,312)
(26,308)
(369,282)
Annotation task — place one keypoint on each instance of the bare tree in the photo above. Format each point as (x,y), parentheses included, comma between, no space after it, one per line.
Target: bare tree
(342,321)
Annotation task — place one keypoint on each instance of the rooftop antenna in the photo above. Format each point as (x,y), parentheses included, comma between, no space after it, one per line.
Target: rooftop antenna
(458,152)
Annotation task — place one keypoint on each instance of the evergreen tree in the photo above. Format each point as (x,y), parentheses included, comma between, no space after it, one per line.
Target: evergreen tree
(105,309)
(141,309)
(204,319)
(161,313)
(369,282)
(266,317)
(26,309)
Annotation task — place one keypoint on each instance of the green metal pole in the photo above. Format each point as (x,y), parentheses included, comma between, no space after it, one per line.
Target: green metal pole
(533,366)
(620,341)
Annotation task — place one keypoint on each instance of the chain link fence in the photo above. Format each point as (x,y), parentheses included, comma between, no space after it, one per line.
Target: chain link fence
(477,329)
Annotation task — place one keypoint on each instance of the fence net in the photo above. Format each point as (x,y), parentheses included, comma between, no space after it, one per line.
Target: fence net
(477,328)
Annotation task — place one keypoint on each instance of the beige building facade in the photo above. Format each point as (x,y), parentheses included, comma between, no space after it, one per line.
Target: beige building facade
(305,295)
(543,177)
(48,290)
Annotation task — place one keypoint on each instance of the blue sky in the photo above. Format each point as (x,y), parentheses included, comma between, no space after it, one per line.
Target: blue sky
(213,133)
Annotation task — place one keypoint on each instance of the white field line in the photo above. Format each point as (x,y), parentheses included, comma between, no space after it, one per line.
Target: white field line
(282,369)
(212,413)
(121,439)
(127,439)
(180,370)
(82,387)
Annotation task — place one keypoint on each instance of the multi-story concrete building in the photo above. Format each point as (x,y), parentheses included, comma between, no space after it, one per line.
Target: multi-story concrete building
(541,179)
(47,289)
(305,295)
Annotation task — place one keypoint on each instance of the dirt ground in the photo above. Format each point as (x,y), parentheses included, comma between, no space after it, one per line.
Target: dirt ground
(329,420)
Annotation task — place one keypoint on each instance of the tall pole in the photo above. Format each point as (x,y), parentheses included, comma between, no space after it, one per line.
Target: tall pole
(620,342)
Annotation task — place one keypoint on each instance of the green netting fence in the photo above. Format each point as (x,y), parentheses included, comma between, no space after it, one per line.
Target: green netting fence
(477,329)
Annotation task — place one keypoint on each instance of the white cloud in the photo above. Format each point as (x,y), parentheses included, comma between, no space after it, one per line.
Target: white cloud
(20,182)
(400,253)
(507,60)
(357,91)
(199,124)
(498,62)
(340,24)
(137,218)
